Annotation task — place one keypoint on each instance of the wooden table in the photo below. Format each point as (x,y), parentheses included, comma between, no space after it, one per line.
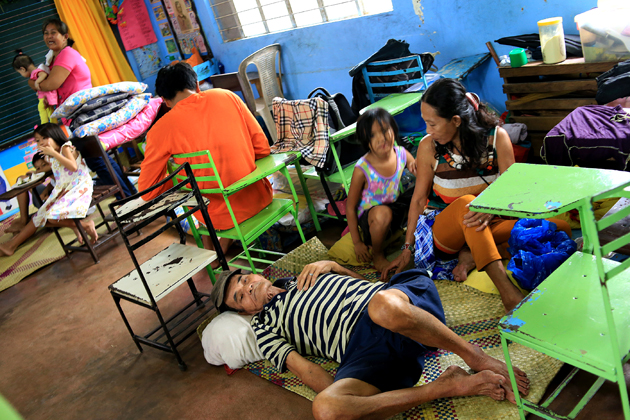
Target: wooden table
(14,192)
(541,95)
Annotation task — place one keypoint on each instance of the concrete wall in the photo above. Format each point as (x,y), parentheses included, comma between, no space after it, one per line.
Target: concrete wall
(322,55)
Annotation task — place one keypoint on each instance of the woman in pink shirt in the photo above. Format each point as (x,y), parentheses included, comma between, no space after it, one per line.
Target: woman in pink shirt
(68,71)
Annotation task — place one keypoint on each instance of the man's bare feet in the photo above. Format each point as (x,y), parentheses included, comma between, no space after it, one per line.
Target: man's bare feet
(16,226)
(464,265)
(88,225)
(5,250)
(380,262)
(480,361)
(463,384)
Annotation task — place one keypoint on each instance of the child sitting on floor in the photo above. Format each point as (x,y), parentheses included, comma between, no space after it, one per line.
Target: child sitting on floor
(43,192)
(24,65)
(72,194)
(375,203)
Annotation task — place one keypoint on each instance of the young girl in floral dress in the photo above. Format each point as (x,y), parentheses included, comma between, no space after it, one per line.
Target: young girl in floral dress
(72,195)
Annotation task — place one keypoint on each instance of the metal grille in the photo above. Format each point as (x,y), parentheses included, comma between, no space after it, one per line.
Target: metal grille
(233,23)
(20,28)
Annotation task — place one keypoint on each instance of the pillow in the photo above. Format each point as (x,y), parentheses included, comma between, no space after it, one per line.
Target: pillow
(83,96)
(95,114)
(132,128)
(118,118)
(99,102)
(230,340)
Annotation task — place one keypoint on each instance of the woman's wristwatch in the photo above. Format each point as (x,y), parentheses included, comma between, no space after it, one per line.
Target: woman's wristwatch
(408,246)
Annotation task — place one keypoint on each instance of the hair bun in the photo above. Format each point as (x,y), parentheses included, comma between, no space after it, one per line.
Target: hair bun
(19,51)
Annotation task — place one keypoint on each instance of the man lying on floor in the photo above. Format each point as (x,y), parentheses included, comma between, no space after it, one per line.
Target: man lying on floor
(378,332)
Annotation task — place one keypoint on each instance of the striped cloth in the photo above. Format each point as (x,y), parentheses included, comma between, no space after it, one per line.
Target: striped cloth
(302,125)
(449,183)
(315,322)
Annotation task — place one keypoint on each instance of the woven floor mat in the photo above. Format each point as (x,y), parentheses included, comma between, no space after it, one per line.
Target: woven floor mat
(38,251)
(470,313)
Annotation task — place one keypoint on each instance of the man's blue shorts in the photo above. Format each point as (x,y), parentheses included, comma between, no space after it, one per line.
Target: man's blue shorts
(385,359)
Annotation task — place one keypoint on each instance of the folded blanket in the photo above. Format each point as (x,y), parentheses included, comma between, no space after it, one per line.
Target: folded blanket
(70,105)
(99,102)
(97,113)
(118,118)
(133,128)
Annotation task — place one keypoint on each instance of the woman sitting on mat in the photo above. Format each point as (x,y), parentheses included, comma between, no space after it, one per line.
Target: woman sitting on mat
(464,151)
(374,202)
(72,194)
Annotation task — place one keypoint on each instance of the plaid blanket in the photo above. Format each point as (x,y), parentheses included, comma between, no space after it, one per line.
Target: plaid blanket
(302,125)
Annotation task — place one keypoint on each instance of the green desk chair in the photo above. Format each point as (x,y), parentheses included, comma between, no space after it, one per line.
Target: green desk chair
(394,104)
(249,230)
(581,313)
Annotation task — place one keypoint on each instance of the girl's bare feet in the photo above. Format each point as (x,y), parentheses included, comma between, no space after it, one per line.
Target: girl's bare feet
(462,384)
(380,262)
(5,250)
(464,266)
(16,225)
(88,225)
(79,237)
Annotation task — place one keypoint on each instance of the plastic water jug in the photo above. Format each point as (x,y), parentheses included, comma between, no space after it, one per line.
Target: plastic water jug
(552,40)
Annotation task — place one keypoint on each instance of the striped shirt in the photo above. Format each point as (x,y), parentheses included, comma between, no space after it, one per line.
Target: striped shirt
(314,322)
(449,183)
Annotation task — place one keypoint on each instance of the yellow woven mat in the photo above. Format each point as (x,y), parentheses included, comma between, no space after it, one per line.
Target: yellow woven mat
(41,249)
(470,313)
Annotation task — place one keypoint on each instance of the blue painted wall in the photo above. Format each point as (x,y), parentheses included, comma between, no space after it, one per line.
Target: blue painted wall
(322,55)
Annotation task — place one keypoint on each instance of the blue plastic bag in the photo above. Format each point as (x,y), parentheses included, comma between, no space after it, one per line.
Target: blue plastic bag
(537,250)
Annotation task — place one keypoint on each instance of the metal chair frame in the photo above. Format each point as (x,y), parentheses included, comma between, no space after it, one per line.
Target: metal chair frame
(184,193)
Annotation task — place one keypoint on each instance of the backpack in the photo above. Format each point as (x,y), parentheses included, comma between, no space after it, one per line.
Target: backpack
(340,113)
(614,84)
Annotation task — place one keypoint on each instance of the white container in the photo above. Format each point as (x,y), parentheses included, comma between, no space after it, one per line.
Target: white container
(605,34)
(552,40)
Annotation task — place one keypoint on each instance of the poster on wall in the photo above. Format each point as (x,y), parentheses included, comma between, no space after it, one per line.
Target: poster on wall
(181,14)
(185,25)
(135,26)
(14,162)
(148,59)
(159,13)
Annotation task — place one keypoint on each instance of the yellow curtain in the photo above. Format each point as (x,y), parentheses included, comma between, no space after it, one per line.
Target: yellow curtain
(95,41)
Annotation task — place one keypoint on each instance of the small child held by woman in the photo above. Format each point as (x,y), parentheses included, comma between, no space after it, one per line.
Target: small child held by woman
(375,203)
(72,195)
(24,65)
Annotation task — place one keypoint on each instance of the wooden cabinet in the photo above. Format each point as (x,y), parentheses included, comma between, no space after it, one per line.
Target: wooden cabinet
(541,95)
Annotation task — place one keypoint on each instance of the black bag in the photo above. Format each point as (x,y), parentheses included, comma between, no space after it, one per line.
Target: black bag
(340,113)
(614,84)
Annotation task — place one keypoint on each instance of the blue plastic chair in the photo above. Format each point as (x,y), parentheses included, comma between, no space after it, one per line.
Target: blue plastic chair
(383,78)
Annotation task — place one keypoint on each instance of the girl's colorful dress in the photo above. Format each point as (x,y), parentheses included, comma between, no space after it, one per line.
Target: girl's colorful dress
(72,195)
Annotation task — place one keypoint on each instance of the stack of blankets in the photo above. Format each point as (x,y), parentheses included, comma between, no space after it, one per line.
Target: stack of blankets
(116,113)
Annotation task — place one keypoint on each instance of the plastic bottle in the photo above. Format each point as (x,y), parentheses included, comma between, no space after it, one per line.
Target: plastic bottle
(552,40)
(221,68)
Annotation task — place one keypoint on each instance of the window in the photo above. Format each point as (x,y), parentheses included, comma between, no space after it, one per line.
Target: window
(246,18)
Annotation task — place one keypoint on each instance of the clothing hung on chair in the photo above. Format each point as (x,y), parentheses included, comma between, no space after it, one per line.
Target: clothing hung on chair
(588,136)
(302,126)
